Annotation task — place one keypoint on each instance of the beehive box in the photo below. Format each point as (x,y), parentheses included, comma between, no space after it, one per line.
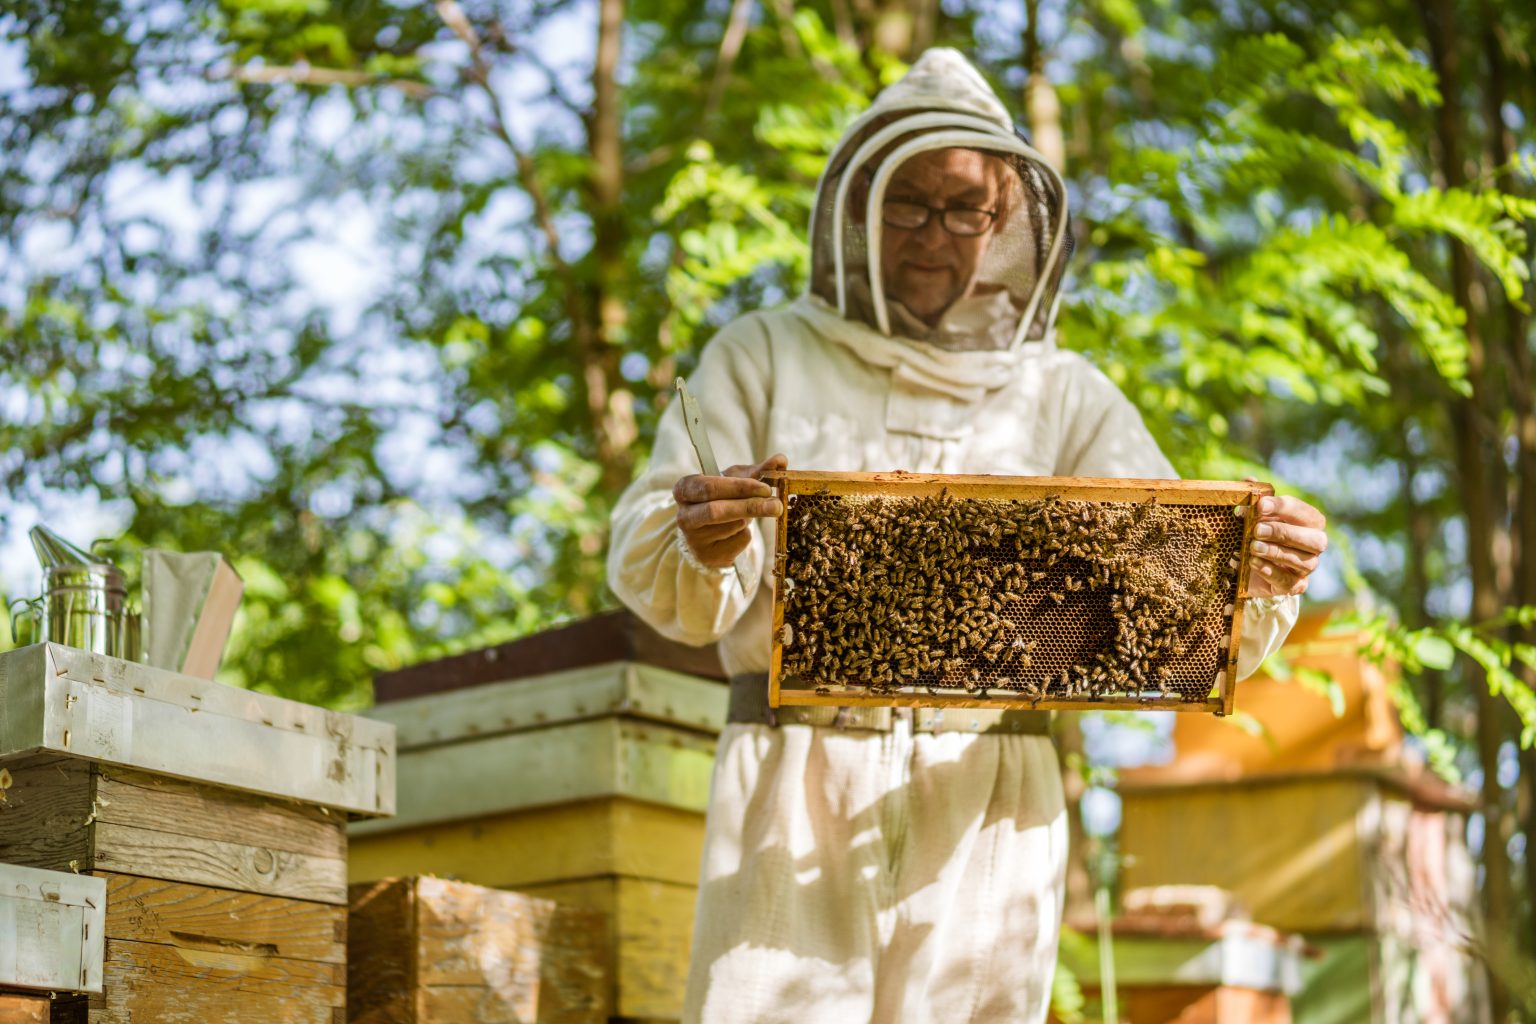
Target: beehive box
(1009,592)
(1182,972)
(50,927)
(215,818)
(24,1008)
(586,786)
(1368,862)
(433,951)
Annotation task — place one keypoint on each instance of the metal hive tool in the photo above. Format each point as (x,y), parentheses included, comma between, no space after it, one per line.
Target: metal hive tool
(896,589)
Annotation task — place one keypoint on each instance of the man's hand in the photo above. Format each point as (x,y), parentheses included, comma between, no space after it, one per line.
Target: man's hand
(1288,541)
(713,511)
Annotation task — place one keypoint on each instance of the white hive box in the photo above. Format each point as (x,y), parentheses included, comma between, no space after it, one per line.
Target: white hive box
(51,929)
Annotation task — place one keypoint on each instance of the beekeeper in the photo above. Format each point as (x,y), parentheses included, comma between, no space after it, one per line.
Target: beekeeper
(877,865)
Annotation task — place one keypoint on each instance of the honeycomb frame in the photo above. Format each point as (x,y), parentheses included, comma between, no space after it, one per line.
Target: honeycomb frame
(1224,507)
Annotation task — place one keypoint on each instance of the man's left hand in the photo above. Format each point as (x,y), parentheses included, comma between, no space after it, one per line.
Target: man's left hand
(1288,541)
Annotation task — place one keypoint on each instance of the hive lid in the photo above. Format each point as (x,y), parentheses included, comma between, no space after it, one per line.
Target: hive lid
(72,702)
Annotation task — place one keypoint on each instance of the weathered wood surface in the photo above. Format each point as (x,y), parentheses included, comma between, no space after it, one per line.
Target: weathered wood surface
(622,688)
(65,814)
(65,701)
(650,928)
(44,814)
(19,1008)
(241,924)
(209,982)
(605,757)
(260,869)
(617,636)
(430,950)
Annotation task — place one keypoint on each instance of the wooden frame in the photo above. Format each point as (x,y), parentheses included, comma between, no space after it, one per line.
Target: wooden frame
(1239,496)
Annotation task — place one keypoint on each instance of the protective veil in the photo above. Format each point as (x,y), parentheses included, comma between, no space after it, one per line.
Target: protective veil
(864,876)
(943,103)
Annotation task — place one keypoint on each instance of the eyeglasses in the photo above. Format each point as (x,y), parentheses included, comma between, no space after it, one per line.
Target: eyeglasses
(964,221)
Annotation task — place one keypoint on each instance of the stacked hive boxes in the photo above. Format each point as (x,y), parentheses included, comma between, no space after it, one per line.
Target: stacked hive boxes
(1322,828)
(585,785)
(216,818)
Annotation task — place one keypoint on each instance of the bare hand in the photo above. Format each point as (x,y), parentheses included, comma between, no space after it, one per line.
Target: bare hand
(1288,541)
(713,512)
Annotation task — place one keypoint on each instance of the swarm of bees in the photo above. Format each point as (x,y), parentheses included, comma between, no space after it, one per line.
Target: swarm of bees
(1045,598)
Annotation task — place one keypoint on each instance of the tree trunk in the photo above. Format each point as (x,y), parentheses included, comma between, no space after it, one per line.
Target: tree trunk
(1473,459)
(609,402)
(1041,104)
(1501,147)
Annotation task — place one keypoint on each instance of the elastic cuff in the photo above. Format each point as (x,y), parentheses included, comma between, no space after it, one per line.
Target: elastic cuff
(1268,604)
(692,560)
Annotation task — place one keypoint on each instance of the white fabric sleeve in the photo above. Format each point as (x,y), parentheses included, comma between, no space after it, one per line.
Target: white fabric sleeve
(650,569)
(1103,435)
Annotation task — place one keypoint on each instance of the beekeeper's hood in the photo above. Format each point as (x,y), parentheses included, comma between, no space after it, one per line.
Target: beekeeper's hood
(941,103)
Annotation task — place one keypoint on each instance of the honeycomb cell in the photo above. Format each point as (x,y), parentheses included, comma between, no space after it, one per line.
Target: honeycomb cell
(1040,599)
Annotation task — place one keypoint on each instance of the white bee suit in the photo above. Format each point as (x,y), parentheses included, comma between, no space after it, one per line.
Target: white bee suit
(883,876)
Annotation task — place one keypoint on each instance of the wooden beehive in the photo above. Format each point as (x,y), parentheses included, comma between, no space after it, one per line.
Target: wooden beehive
(587,786)
(897,589)
(433,951)
(214,816)
(24,1008)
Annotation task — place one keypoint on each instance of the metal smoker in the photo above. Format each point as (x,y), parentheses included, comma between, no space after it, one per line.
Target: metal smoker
(84,602)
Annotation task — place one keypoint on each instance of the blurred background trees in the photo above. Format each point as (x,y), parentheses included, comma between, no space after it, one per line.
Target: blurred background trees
(384,299)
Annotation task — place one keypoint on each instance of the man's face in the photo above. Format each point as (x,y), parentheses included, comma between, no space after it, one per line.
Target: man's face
(928,268)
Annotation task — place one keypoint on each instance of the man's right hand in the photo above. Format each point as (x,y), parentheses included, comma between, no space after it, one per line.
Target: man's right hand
(713,512)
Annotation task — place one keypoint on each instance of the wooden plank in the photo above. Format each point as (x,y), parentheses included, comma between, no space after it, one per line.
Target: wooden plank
(147,981)
(381,952)
(200,917)
(612,836)
(650,929)
(624,688)
(56,698)
(44,819)
(17,1008)
(1071,488)
(134,798)
(855,697)
(607,757)
(607,637)
(260,869)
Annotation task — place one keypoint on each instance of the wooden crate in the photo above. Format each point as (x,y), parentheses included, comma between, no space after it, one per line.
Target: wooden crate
(1097,607)
(216,819)
(50,927)
(24,1008)
(585,786)
(431,951)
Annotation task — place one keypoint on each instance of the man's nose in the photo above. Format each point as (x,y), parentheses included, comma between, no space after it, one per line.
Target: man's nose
(933,234)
